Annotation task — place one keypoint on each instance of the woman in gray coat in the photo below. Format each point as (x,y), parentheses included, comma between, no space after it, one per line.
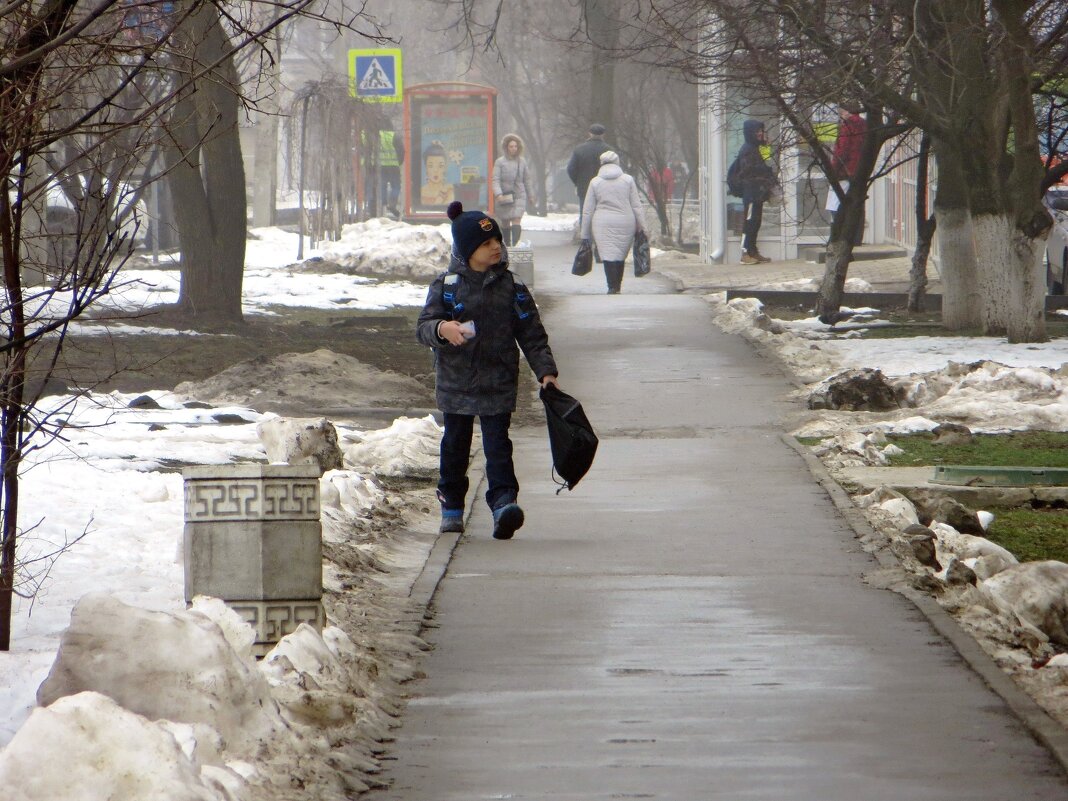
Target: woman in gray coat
(612,213)
(512,188)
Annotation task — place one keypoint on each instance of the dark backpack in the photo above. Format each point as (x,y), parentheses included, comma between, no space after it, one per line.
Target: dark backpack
(571,436)
(734,178)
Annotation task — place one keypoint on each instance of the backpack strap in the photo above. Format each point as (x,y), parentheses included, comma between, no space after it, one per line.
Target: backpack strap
(522,302)
(450,286)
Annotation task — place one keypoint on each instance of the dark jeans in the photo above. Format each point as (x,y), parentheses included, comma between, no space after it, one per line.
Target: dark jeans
(456,456)
(613,274)
(754,215)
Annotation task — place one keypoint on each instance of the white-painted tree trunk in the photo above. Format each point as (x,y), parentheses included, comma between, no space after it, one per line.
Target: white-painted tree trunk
(961,303)
(1011,279)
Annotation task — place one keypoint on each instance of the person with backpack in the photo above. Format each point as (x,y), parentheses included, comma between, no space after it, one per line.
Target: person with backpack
(750,178)
(477,318)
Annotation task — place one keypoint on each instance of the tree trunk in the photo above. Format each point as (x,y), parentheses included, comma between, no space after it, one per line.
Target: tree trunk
(848,222)
(925,228)
(265,184)
(961,303)
(207,180)
(604,35)
(1011,279)
(12,382)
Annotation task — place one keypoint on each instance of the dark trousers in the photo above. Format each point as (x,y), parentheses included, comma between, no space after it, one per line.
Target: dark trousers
(391,186)
(613,275)
(754,215)
(510,233)
(456,456)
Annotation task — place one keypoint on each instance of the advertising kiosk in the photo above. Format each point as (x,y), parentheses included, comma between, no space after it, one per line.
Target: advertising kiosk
(449,132)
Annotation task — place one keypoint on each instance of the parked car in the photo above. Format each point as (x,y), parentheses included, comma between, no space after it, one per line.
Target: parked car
(1057,244)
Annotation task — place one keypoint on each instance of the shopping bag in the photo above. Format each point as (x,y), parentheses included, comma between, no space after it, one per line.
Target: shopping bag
(583,259)
(571,437)
(642,260)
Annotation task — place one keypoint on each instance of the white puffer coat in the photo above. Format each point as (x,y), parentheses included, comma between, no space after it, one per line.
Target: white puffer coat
(612,212)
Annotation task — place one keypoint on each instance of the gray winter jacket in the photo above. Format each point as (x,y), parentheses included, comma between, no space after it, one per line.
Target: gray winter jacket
(612,213)
(481,377)
(512,176)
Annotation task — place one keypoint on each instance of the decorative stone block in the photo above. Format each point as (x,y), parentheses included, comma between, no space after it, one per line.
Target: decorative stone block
(273,620)
(521,262)
(253,539)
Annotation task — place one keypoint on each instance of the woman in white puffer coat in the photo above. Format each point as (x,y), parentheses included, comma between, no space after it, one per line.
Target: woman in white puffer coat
(612,214)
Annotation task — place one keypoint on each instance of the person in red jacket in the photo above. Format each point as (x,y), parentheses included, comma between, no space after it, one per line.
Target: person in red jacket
(846,155)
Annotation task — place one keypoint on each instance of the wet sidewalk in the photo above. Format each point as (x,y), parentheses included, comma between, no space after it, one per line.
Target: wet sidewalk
(691,622)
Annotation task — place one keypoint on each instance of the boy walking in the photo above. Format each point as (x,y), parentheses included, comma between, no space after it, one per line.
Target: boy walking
(477,317)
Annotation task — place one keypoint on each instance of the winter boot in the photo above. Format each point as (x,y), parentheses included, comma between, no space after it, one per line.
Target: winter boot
(749,259)
(507,520)
(517,231)
(452,521)
(760,257)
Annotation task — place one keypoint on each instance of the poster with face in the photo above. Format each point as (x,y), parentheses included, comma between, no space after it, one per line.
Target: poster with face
(451,135)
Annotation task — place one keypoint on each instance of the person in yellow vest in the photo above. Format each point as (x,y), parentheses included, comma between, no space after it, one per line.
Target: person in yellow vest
(380,161)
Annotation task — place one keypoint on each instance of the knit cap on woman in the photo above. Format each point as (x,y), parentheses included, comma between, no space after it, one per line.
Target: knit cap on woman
(470,229)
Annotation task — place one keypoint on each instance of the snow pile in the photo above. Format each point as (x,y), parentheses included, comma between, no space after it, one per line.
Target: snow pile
(813,285)
(132,640)
(986,396)
(149,705)
(321,379)
(386,247)
(376,451)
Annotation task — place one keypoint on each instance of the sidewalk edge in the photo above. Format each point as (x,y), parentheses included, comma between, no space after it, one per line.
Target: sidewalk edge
(437,562)
(1040,723)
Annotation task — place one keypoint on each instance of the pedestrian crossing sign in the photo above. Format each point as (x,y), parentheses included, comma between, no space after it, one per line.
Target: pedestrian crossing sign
(376,75)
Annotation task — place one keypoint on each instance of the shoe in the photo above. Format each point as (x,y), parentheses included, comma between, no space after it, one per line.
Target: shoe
(506,521)
(613,291)
(760,257)
(747,259)
(452,521)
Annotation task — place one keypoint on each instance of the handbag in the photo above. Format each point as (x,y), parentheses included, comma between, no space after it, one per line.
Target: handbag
(571,437)
(642,259)
(583,259)
(507,199)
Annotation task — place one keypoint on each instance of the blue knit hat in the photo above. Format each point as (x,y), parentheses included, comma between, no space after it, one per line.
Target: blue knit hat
(471,228)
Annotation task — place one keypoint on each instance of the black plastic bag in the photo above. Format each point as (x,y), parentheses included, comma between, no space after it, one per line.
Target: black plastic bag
(583,259)
(571,437)
(642,260)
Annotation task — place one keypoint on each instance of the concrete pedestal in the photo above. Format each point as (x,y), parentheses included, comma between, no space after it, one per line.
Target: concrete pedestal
(521,262)
(253,539)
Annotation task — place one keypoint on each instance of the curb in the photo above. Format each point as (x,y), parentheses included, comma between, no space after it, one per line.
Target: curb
(426,584)
(1038,722)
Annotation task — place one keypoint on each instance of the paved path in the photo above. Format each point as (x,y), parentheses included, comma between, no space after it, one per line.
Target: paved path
(691,622)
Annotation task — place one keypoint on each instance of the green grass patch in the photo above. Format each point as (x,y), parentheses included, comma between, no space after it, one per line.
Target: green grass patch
(1020,448)
(1017,449)
(1031,534)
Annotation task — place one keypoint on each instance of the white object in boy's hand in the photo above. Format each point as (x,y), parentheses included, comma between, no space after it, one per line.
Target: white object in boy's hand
(468,329)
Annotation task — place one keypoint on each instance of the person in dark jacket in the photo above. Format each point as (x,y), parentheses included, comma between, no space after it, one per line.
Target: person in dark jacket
(586,161)
(477,317)
(757,180)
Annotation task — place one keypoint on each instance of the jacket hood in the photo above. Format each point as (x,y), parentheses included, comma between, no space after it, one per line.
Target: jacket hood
(610,171)
(749,130)
(511,138)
